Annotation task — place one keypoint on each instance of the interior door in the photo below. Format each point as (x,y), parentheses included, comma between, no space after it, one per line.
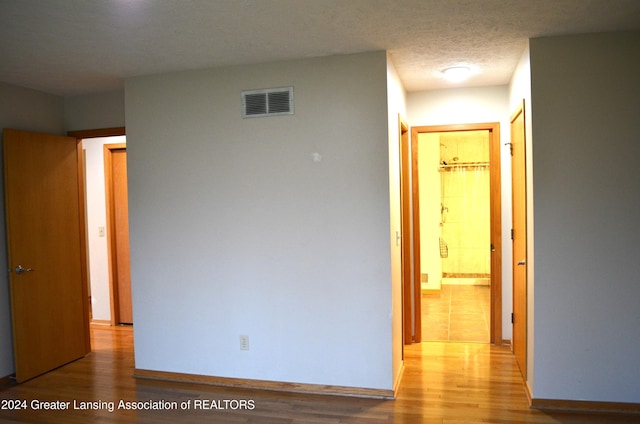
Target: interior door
(518,181)
(120,234)
(45,251)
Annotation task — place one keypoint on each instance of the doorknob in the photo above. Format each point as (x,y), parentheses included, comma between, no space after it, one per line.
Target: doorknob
(522,262)
(21,270)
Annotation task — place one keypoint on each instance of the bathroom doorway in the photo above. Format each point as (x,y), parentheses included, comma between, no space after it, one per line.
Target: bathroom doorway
(457,222)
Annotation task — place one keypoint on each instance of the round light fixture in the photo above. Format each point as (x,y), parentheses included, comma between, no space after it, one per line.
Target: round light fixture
(457,73)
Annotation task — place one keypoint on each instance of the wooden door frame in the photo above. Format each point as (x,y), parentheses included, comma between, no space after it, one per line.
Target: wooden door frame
(405,231)
(496,223)
(84,248)
(82,135)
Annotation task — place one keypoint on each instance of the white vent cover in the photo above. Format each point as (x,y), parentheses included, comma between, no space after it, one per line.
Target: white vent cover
(267,102)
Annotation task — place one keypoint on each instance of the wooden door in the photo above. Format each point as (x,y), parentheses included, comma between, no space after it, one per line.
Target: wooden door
(49,300)
(118,206)
(519,236)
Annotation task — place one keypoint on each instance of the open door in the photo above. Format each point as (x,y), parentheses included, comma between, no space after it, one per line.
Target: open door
(45,240)
(519,238)
(115,165)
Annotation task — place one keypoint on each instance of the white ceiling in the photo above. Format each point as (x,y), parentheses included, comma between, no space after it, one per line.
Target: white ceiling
(71,47)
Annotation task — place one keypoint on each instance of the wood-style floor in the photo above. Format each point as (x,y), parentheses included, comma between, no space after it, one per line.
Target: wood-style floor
(460,313)
(443,383)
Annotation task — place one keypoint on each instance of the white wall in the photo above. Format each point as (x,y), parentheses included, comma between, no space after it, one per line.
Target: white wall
(96,218)
(396,105)
(519,90)
(29,110)
(235,230)
(586,103)
(476,105)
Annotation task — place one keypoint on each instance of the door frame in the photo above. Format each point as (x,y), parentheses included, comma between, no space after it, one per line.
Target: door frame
(82,135)
(84,247)
(495,224)
(405,231)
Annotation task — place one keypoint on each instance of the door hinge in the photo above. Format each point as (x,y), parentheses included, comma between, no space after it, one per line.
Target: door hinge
(511,317)
(512,234)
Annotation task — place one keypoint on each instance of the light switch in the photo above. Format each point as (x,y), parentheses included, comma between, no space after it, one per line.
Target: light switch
(101,231)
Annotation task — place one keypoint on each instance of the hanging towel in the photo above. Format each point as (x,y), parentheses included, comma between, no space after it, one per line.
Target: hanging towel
(444,249)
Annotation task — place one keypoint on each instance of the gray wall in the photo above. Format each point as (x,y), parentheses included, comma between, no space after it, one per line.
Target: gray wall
(586,188)
(93,111)
(236,230)
(28,110)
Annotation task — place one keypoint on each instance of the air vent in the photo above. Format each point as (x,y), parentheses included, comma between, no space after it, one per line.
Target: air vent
(267,102)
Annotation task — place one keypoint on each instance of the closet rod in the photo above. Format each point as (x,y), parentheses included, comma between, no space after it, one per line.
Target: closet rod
(465,165)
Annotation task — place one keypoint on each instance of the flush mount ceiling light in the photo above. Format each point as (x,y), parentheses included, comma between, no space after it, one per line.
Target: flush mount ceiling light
(457,73)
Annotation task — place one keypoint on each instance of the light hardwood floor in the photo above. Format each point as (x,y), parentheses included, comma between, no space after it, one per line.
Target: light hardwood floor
(443,383)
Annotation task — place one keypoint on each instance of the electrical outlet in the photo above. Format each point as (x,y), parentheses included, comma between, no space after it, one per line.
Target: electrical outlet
(244,342)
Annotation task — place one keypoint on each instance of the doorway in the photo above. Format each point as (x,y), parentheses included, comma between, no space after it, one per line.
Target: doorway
(453,172)
(104,258)
(456,236)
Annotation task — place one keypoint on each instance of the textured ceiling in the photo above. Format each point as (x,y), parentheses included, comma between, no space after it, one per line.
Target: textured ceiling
(70,47)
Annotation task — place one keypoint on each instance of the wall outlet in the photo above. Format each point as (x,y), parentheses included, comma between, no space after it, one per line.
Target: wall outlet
(244,342)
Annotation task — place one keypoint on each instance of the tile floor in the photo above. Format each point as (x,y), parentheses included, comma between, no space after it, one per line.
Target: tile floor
(460,313)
